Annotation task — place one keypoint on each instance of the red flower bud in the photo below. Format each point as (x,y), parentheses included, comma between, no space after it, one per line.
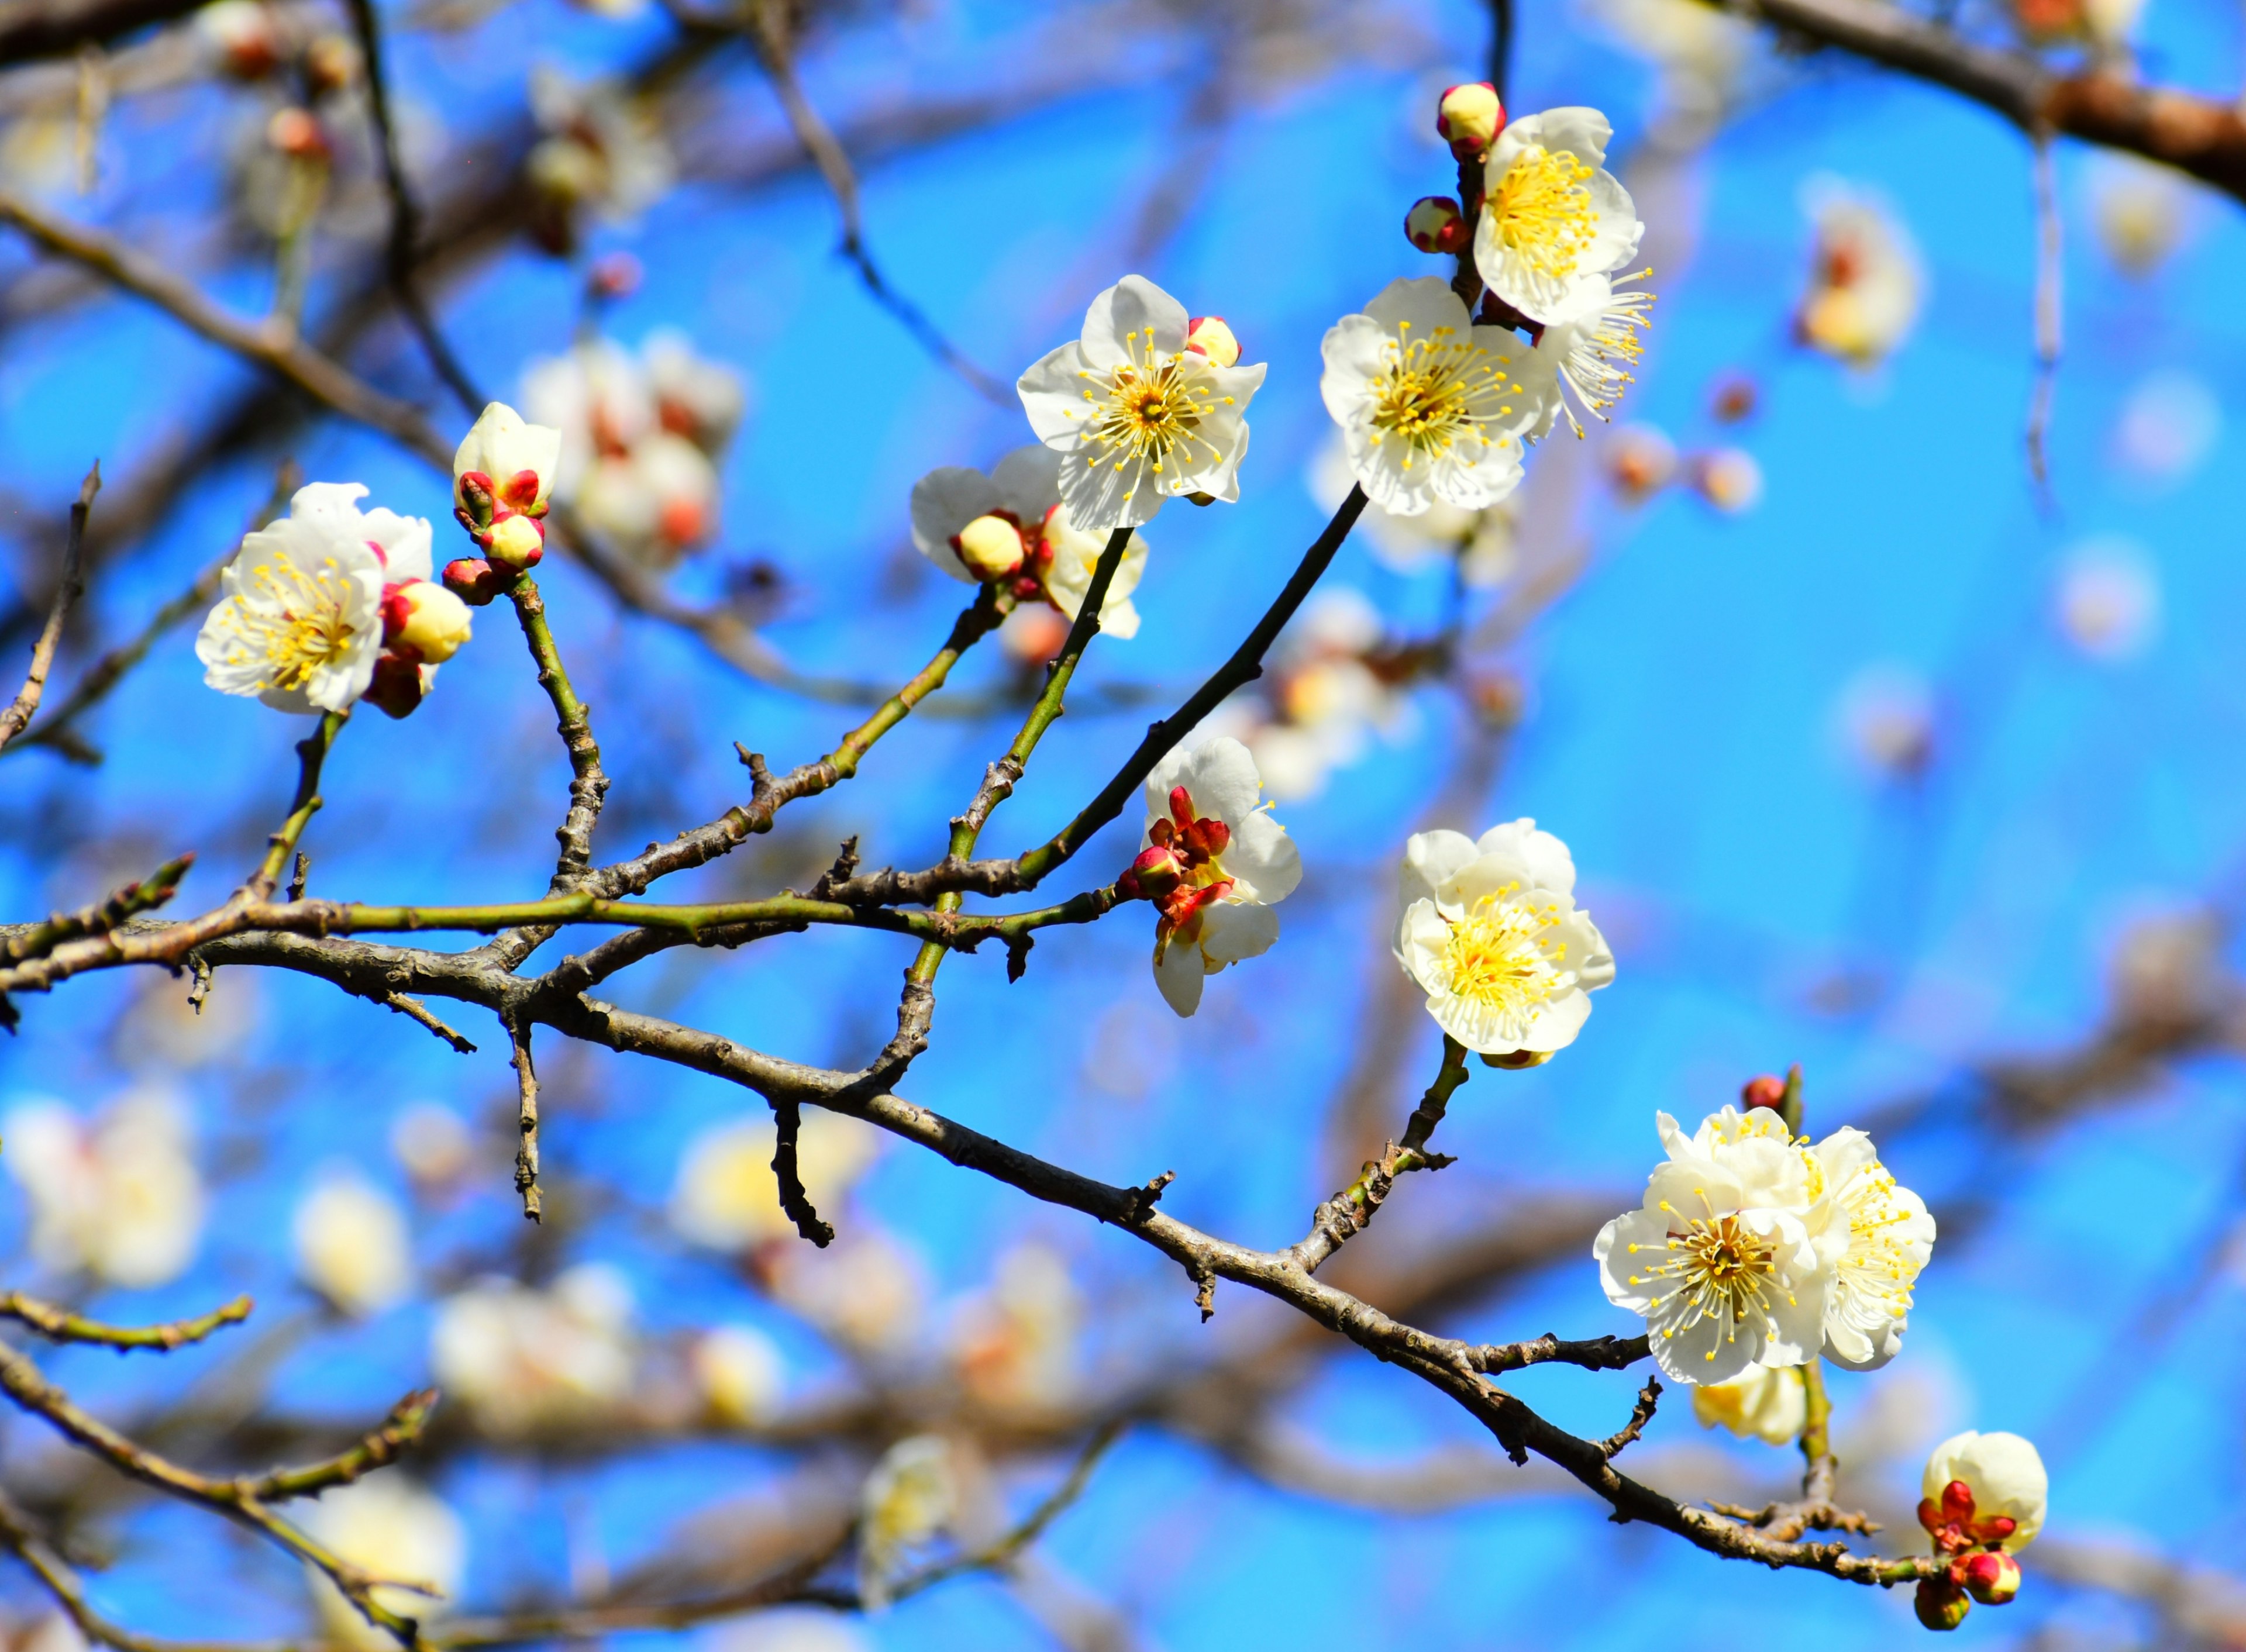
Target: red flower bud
(1940,1603)
(1435,225)
(474,581)
(396,686)
(1469,118)
(1766,1090)
(1993,1577)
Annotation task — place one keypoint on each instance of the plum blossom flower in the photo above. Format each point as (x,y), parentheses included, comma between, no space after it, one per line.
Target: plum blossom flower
(1587,361)
(1432,406)
(1012,526)
(727,1196)
(1719,1259)
(391,1527)
(867,1290)
(1137,411)
(117,1197)
(351,1245)
(1758,1404)
(1015,1345)
(739,1374)
(2140,210)
(1865,281)
(1333,681)
(528,1362)
(912,1494)
(2006,1490)
(1491,933)
(604,152)
(503,476)
(1214,863)
(1556,224)
(1873,1236)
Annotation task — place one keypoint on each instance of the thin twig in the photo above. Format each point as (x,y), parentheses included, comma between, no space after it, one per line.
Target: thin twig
(2050,309)
(526,1119)
(60,1325)
(67,591)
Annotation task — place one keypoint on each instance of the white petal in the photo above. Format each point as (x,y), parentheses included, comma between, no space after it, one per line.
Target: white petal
(1231,931)
(1263,860)
(1028,480)
(1178,973)
(1132,304)
(944,502)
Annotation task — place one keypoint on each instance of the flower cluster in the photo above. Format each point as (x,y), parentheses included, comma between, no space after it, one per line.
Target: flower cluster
(503,475)
(1755,1248)
(117,1198)
(1984,1499)
(526,1362)
(1333,680)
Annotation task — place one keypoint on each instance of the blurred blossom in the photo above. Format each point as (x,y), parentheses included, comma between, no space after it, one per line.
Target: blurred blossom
(1331,684)
(1033,635)
(351,1245)
(165,1031)
(39,151)
(1728,478)
(2108,600)
(526,1361)
(2168,425)
(1865,281)
(1016,1344)
(1641,460)
(1478,543)
(1888,720)
(604,151)
(388,1525)
(615,11)
(867,1289)
(727,1196)
(2139,210)
(117,1197)
(1700,53)
(1762,1403)
(244,39)
(2106,24)
(912,1494)
(2165,970)
(789,1629)
(1734,400)
(740,1373)
(53,1633)
(433,1143)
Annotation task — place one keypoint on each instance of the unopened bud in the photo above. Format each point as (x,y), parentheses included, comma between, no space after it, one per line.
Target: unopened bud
(1734,400)
(473,580)
(990,546)
(1209,335)
(426,618)
(1153,875)
(1469,118)
(1034,635)
(517,542)
(397,687)
(613,276)
(1767,1090)
(1641,461)
(1991,1577)
(1435,225)
(296,133)
(1940,1603)
(1728,479)
(1517,1060)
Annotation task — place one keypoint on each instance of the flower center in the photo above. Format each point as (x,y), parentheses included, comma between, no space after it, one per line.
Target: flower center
(1495,955)
(1431,389)
(1877,1268)
(1542,212)
(304,630)
(1153,405)
(1722,1271)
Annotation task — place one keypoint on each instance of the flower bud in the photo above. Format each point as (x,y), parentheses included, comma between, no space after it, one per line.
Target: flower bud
(1469,118)
(426,618)
(517,542)
(1153,875)
(522,456)
(1435,225)
(473,580)
(1940,1603)
(296,133)
(1728,479)
(1640,461)
(1767,1090)
(990,546)
(613,276)
(397,687)
(1209,335)
(1991,1576)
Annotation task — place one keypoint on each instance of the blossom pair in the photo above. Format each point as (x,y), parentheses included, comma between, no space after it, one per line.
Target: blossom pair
(1754,1248)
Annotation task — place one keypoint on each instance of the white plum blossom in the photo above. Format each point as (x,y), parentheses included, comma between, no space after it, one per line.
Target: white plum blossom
(1759,1403)
(389,1526)
(117,1197)
(2003,1473)
(503,476)
(1480,543)
(1556,224)
(1865,280)
(1873,1236)
(351,1245)
(604,151)
(1720,1260)
(912,1494)
(727,1196)
(1014,526)
(1214,863)
(1139,411)
(525,1361)
(740,1373)
(1491,933)
(1015,1345)
(1432,407)
(299,622)
(1588,360)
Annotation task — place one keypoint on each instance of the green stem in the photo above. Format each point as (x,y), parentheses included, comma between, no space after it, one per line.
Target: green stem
(1816,1418)
(1420,1127)
(311,755)
(588,784)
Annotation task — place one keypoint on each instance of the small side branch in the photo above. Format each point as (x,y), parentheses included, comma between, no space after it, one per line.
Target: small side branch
(787,1127)
(60,1325)
(67,591)
(1640,1415)
(525,1117)
(1349,1211)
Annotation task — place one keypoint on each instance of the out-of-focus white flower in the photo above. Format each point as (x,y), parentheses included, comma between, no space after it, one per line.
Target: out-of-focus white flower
(433,1143)
(1327,687)
(1641,460)
(2170,424)
(388,1525)
(298,622)
(1699,52)
(867,1289)
(740,1374)
(1759,1403)
(53,1633)
(1478,543)
(246,38)
(727,1196)
(1214,863)
(1872,1237)
(2139,210)
(1137,414)
(1491,933)
(1728,479)
(2008,1493)
(165,1032)
(1016,1344)
(1865,280)
(1888,720)
(605,150)
(1556,224)
(789,1629)
(696,397)
(351,1245)
(1719,1259)
(657,502)
(1013,524)
(912,1494)
(525,1361)
(2108,600)
(117,1197)
(1432,407)
(40,154)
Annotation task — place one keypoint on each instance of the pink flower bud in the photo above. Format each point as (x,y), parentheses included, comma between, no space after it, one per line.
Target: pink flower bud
(474,581)
(1768,1090)
(517,542)
(1435,225)
(398,684)
(1469,118)
(1940,1603)
(297,134)
(1209,335)
(613,276)
(1153,875)
(990,546)
(1993,1577)
(425,618)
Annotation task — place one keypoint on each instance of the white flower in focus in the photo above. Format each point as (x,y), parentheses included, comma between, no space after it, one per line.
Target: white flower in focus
(1214,863)
(1865,280)
(912,1494)
(1555,223)
(1013,523)
(351,1245)
(1589,358)
(868,1290)
(1719,1259)
(388,1525)
(1873,1236)
(740,1373)
(298,622)
(2005,1476)
(1759,1403)
(727,1196)
(1491,933)
(1015,1345)
(1135,413)
(1480,543)
(605,151)
(1432,406)
(2141,211)
(433,1143)
(2108,601)
(525,1362)
(117,1198)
